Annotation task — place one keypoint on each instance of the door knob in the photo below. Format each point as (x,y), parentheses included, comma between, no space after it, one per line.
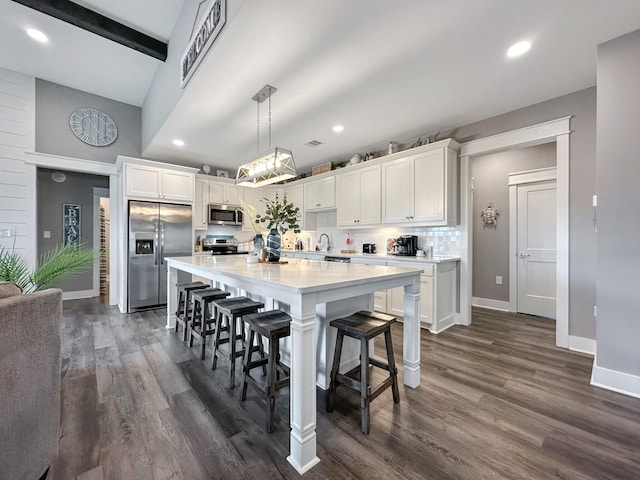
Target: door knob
(524,255)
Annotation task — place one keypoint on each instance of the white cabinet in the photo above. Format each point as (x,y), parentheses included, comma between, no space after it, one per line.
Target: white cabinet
(223,193)
(200,204)
(358,198)
(421,189)
(438,286)
(254,197)
(295,195)
(143,181)
(320,194)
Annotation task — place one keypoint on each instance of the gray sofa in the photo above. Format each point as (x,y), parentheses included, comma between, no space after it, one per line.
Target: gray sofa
(29,381)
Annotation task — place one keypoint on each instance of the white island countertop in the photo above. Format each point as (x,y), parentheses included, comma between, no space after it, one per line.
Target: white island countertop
(300,275)
(313,293)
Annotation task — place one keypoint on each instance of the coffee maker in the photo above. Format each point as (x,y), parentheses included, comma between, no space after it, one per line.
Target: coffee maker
(407,245)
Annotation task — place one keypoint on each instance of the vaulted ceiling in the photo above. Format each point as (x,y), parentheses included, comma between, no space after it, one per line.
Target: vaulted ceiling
(384,70)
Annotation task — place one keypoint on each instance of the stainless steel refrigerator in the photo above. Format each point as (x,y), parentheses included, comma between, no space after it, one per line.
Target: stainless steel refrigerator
(156,231)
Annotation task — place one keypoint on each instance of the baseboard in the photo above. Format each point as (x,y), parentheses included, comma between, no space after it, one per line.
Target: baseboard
(582,345)
(78,294)
(489,303)
(614,380)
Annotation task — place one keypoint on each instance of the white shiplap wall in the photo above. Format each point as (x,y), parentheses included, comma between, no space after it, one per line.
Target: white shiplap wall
(17,179)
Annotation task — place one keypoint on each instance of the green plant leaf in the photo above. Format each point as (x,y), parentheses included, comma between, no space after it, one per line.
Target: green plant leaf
(61,263)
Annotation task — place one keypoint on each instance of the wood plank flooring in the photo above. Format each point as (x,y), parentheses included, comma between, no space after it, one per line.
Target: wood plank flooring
(497,400)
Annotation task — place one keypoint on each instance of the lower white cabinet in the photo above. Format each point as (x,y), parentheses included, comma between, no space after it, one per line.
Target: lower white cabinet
(438,299)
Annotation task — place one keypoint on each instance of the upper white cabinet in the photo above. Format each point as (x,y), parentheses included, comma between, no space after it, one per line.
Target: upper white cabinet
(223,193)
(421,189)
(158,183)
(295,195)
(255,197)
(201,200)
(320,194)
(358,198)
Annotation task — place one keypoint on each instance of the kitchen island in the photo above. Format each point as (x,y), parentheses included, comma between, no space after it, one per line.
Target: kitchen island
(313,293)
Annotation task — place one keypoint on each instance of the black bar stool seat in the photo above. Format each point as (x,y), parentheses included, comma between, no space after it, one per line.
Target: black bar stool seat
(364,326)
(203,315)
(272,325)
(184,304)
(232,310)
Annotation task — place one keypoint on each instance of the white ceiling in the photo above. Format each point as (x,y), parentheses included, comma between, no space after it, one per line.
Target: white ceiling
(385,70)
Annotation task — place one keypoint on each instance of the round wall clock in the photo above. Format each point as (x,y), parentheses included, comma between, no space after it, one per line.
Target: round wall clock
(93,127)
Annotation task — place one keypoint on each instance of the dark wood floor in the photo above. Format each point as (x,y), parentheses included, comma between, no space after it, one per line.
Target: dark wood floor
(497,400)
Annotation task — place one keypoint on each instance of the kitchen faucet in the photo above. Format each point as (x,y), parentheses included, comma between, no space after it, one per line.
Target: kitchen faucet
(320,242)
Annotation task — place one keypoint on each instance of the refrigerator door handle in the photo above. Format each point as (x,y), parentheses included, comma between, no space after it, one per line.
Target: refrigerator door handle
(161,243)
(155,260)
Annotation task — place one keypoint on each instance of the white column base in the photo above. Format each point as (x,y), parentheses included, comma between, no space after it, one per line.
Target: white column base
(411,335)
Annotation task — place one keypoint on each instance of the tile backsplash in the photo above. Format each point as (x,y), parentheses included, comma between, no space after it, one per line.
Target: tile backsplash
(444,240)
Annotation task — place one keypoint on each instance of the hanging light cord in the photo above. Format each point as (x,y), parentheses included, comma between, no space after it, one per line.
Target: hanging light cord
(258,128)
(269,117)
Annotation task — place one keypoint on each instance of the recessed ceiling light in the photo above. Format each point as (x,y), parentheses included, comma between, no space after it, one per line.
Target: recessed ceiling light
(518,49)
(37,35)
(178,143)
(338,129)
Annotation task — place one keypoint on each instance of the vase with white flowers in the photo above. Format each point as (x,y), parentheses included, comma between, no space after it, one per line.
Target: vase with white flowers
(249,211)
(280,217)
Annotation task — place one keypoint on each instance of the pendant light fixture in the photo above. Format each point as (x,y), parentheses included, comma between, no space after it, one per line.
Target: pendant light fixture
(273,166)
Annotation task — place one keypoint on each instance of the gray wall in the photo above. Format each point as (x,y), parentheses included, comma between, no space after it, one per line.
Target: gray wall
(581,106)
(54,106)
(77,189)
(618,172)
(491,246)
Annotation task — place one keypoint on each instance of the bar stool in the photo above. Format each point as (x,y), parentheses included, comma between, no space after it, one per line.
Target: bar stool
(232,310)
(364,326)
(184,300)
(272,325)
(202,321)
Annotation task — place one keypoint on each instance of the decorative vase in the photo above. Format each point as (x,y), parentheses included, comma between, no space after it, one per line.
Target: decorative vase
(273,245)
(258,243)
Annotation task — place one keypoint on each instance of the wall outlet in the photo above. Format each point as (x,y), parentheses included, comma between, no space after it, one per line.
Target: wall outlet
(46,234)
(5,233)
(498,280)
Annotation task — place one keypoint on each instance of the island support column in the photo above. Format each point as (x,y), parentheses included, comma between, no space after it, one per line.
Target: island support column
(411,336)
(172,281)
(303,385)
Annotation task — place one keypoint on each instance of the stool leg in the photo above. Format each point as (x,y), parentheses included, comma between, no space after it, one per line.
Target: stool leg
(334,371)
(271,381)
(232,350)
(393,371)
(246,366)
(364,384)
(180,309)
(216,342)
(203,329)
(194,317)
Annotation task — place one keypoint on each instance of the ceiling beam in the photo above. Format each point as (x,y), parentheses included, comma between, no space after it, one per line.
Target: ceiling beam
(94,22)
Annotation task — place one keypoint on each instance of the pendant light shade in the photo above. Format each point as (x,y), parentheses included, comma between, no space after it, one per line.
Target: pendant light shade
(273,166)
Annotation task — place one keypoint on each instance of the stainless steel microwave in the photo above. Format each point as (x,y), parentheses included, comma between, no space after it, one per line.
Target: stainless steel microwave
(224,215)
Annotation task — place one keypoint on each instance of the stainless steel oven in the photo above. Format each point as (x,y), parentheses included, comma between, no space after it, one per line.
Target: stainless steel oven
(224,215)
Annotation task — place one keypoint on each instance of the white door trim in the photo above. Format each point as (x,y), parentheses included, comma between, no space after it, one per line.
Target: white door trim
(516,179)
(547,132)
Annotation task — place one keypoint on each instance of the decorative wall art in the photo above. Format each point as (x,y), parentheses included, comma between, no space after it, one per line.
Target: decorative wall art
(322,168)
(71,224)
(490,216)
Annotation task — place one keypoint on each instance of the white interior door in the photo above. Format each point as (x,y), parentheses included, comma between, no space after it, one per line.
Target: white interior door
(536,248)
